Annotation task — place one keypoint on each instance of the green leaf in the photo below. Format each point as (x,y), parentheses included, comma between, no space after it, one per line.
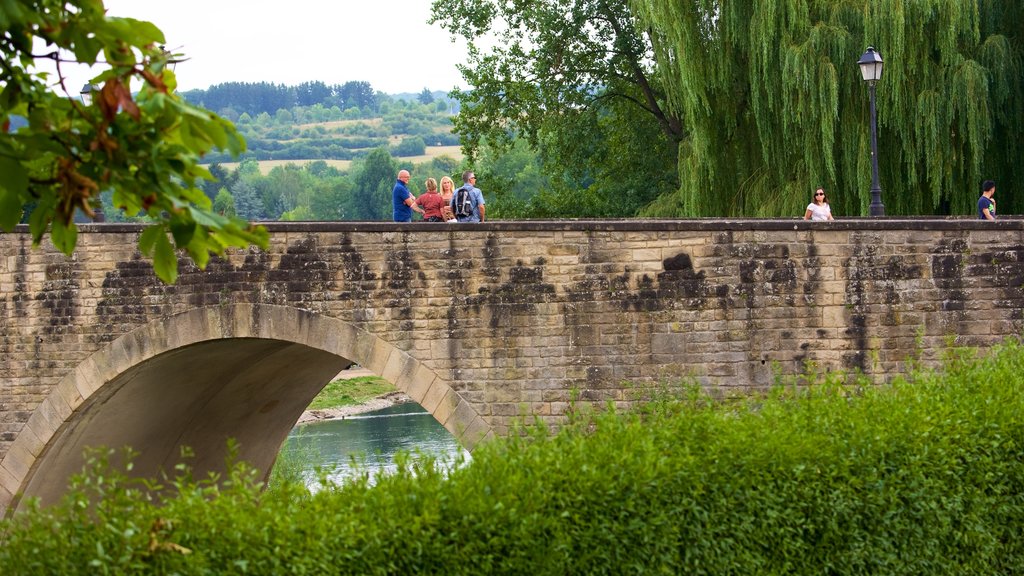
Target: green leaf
(199,248)
(182,229)
(40,218)
(64,236)
(165,260)
(149,237)
(209,219)
(13,187)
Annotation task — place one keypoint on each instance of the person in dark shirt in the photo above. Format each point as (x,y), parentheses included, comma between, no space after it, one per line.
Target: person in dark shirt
(986,202)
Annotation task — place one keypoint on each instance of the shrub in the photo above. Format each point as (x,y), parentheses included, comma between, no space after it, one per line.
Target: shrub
(923,476)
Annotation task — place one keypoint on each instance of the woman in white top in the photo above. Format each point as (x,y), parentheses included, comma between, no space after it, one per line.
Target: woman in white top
(818,209)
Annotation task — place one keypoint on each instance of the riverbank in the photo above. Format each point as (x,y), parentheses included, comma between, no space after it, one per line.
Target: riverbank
(382,401)
(385,401)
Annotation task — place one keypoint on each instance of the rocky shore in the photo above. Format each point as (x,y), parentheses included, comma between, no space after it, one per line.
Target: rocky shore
(382,401)
(385,401)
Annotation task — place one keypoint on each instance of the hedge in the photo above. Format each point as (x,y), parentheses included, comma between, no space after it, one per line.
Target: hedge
(920,476)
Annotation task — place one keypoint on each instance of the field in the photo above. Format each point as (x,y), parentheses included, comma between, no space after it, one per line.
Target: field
(342,123)
(432,152)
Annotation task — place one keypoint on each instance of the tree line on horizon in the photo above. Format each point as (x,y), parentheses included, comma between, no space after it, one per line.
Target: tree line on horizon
(255,98)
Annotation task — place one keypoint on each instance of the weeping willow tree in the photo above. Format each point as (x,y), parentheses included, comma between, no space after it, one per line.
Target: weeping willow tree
(776,105)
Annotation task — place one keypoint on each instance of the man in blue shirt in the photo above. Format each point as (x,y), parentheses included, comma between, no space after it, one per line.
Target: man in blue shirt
(403,202)
(474,197)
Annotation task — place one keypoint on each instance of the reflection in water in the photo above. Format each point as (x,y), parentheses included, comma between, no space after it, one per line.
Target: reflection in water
(373,438)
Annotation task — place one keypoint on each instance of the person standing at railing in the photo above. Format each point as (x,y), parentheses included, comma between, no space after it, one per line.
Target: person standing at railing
(986,202)
(431,202)
(819,209)
(403,202)
(468,201)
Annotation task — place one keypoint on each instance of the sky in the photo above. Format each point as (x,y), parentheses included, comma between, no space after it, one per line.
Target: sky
(387,43)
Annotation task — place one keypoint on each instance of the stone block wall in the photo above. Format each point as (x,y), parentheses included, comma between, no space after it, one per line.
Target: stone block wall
(520,317)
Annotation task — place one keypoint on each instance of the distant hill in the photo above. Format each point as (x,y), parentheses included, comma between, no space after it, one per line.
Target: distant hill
(341,123)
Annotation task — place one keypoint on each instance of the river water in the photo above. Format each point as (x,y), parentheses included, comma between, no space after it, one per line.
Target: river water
(374,438)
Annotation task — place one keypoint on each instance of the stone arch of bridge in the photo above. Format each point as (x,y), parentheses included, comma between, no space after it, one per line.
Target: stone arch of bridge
(244,371)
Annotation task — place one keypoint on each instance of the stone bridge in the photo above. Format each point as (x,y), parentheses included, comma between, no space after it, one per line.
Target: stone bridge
(480,324)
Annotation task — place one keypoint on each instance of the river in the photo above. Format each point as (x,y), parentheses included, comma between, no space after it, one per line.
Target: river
(374,437)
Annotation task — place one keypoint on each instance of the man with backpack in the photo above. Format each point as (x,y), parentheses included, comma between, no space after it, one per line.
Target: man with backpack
(468,200)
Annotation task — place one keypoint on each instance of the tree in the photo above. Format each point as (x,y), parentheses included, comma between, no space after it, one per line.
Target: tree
(776,105)
(222,177)
(143,146)
(374,178)
(248,204)
(425,97)
(290,184)
(411,146)
(557,68)
(224,203)
(609,164)
(444,164)
(354,93)
(329,197)
(310,93)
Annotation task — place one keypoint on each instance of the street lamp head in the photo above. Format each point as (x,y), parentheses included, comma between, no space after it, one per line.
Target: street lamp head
(87,91)
(871,65)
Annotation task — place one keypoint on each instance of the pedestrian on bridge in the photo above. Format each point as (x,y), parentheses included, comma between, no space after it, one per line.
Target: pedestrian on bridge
(431,202)
(819,209)
(468,200)
(404,203)
(986,202)
(447,192)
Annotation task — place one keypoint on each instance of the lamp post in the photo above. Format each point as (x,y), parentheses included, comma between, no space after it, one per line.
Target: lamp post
(87,92)
(871,69)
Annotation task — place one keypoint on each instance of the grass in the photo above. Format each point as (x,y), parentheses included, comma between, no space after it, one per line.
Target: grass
(342,123)
(350,392)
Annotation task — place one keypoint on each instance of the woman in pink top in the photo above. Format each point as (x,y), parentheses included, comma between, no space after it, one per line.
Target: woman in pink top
(431,202)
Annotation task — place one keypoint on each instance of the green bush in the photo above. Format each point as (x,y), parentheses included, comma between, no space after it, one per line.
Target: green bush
(918,477)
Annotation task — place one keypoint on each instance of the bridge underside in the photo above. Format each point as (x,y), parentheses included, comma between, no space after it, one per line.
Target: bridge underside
(249,389)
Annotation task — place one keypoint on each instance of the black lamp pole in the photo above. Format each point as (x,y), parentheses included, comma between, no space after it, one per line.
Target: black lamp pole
(871,68)
(87,98)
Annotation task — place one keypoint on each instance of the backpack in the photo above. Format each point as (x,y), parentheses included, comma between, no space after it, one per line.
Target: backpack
(463,207)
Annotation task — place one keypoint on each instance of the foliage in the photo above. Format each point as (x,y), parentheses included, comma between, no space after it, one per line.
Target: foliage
(248,203)
(776,105)
(224,203)
(552,72)
(350,392)
(917,477)
(373,180)
(615,165)
(329,198)
(410,146)
(144,146)
(318,132)
(254,98)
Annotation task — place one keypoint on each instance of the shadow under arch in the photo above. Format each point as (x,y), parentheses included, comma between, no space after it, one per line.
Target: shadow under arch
(245,371)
